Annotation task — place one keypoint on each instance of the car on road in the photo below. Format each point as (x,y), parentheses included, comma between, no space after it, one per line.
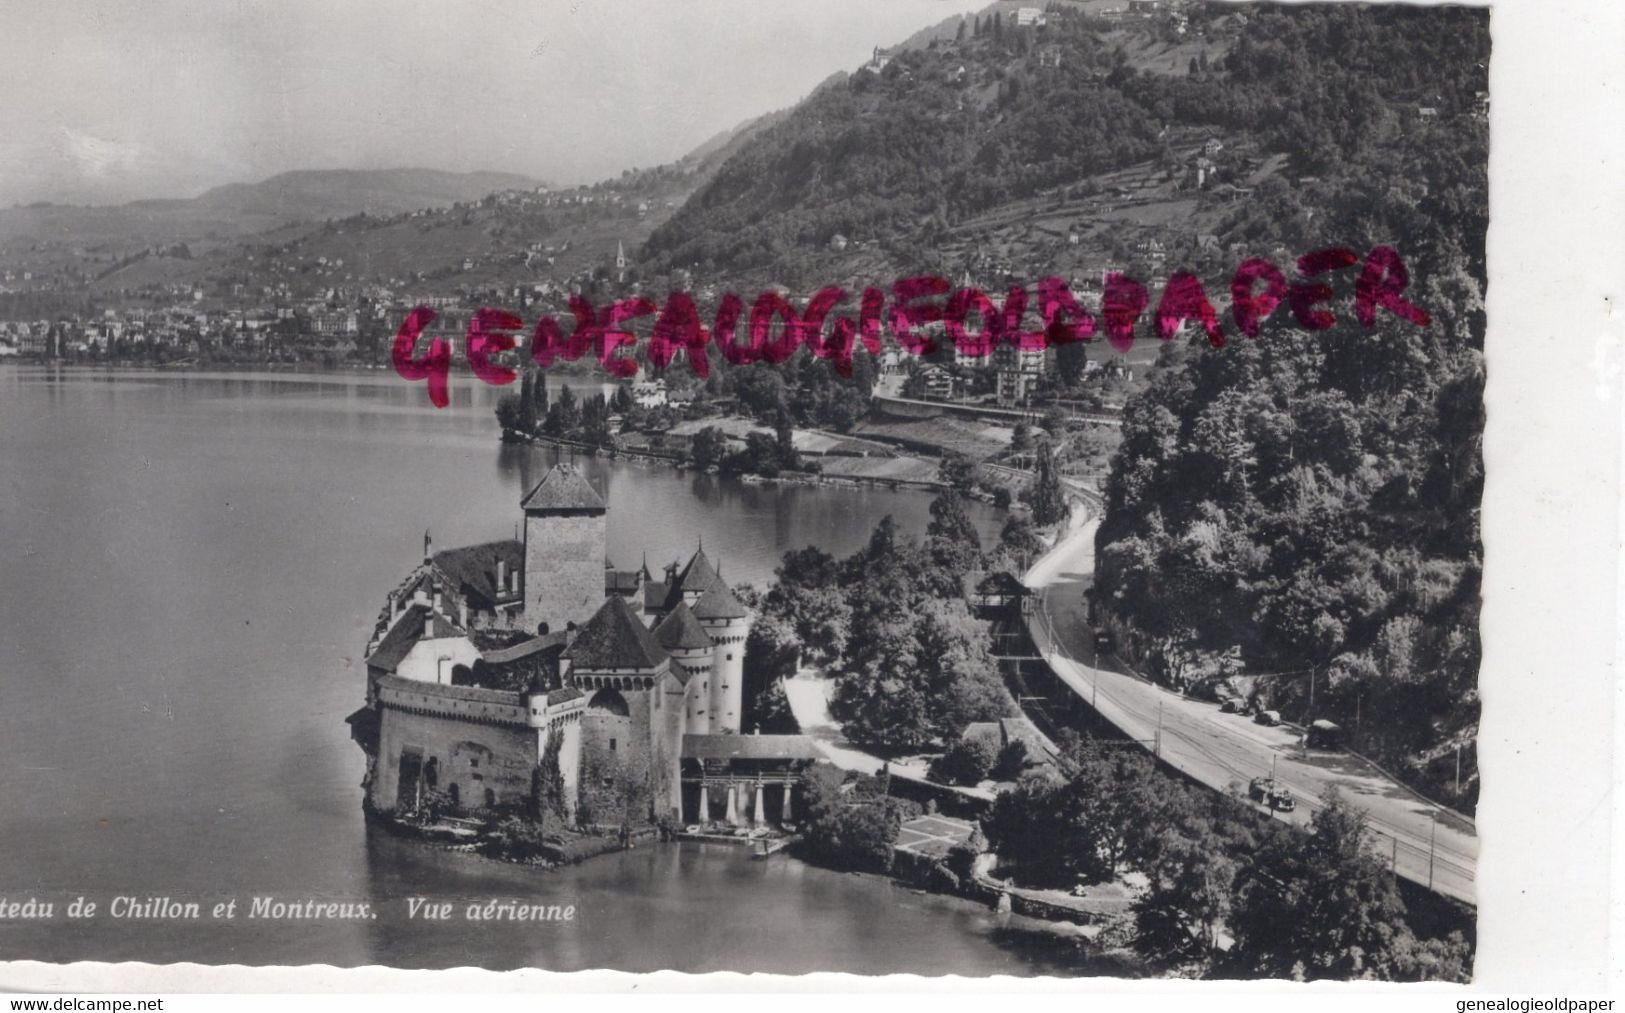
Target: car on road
(1324,734)
(1268,717)
(1261,788)
(1281,800)
(1231,705)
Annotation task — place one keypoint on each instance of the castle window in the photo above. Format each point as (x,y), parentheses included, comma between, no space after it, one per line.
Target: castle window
(490,798)
(612,745)
(474,764)
(730,657)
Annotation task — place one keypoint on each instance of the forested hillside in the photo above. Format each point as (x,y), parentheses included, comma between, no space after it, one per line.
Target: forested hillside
(1307,505)
(1299,505)
(900,159)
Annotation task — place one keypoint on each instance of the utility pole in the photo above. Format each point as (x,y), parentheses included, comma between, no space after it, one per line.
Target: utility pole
(1458,770)
(1395,865)
(1158,752)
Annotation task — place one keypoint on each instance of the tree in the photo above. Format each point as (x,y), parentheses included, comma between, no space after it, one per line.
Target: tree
(1019,541)
(853,830)
(549,797)
(569,411)
(526,407)
(821,621)
(622,401)
(707,447)
(915,673)
(1187,896)
(1319,905)
(1084,823)
(1047,498)
(759,456)
(510,415)
(1021,437)
(771,655)
(966,761)
(1071,359)
(958,471)
(954,545)
(784,438)
(1056,422)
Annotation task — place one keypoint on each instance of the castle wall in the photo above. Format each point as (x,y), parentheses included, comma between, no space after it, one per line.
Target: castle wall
(616,758)
(471,755)
(698,701)
(569,732)
(432,660)
(696,696)
(670,721)
(727,694)
(564,567)
(570,765)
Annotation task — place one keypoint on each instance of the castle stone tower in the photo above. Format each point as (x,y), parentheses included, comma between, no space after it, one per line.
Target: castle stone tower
(693,655)
(727,623)
(565,538)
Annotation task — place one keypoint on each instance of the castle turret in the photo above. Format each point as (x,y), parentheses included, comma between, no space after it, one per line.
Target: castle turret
(564,550)
(727,623)
(697,577)
(693,656)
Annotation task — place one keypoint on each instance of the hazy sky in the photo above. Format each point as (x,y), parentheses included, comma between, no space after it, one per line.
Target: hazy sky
(110,100)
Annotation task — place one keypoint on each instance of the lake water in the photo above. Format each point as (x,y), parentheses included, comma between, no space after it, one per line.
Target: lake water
(191,565)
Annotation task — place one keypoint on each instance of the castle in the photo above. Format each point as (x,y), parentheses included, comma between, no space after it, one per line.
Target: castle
(532,675)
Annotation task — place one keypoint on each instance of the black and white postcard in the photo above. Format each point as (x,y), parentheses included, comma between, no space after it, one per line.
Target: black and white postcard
(928,487)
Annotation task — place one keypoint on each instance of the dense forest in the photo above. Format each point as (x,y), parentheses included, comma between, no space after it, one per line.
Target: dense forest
(1307,504)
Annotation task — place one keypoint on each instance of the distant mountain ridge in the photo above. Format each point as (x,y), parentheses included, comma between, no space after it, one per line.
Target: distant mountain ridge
(325,193)
(239,209)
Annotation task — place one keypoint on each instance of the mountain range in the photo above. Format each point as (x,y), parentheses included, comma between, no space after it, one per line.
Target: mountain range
(240,209)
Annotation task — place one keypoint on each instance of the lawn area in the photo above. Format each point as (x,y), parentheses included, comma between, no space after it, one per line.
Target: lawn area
(932,835)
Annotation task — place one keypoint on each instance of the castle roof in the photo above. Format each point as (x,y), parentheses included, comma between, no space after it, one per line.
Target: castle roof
(698,575)
(417,623)
(523,649)
(563,488)
(615,638)
(681,631)
(656,593)
(472,569)
(719,603)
